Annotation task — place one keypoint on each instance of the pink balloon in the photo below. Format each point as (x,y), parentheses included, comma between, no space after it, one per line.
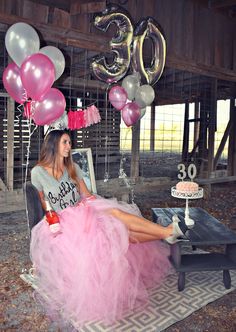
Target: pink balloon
(12,83)
(118,97)
(50,108)
(131,114)
(37,75)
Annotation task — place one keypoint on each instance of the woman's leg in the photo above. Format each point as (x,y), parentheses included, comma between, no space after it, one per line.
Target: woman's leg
(135,237)
(141,225)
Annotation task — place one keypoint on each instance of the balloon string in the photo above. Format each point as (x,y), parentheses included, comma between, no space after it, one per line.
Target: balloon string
(29,123)
(122,174)
(18,115)
(106,174)
(20,109)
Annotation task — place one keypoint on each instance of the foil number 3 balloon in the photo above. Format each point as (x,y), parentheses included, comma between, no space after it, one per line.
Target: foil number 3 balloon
(121,44)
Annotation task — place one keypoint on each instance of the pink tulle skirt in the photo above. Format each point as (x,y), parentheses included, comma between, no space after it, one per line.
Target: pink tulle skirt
(90,271)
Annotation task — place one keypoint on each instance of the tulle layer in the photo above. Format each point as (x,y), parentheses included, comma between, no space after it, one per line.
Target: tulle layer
(90,271)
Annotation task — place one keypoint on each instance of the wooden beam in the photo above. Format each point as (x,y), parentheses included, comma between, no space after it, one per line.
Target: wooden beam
(134,169)
(152,127)
(74,83)
(198,68)
(196,124)
(98,43)
(232,141)
(87,7)
(10,143)
(221,3)
(61,4)
(222,143)
(69,37)
(186,134)
(212,126)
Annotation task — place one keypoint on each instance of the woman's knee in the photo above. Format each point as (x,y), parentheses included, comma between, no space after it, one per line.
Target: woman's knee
(115,212)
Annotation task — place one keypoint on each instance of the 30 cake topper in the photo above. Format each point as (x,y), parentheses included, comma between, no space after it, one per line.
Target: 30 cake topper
(191,171)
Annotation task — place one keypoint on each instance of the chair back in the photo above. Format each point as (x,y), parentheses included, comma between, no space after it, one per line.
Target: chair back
(34,209)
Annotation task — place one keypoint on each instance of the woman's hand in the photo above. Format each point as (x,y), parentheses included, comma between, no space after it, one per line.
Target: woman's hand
(83,190)
(91,198)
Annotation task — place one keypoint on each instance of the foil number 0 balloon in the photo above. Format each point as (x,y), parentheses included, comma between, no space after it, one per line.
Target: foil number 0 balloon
(121,44)
(148,28)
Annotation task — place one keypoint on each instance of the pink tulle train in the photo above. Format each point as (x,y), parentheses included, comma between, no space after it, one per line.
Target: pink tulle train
(90,271)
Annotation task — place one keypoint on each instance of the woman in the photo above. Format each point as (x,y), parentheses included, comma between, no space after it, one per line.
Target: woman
(102,262)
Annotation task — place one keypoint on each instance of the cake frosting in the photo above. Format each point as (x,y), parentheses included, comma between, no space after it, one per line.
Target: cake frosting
(187,186)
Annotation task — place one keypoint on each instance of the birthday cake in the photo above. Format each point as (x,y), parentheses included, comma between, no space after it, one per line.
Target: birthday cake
(187,187)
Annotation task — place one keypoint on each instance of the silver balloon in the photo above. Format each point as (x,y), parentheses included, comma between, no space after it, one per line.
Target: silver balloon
(57,58)
(120,45)
(143,112)
(131,83)
(61,123)
(148,28)
(144,95)
(21,40)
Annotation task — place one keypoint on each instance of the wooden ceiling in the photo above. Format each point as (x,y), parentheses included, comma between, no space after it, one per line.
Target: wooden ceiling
(75,6)
(180,81)
(226,6)
(85,6)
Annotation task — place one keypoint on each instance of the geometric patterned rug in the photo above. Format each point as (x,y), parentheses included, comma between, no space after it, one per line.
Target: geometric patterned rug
(167,305)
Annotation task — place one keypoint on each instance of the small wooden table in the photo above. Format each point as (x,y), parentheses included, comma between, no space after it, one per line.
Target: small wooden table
(208,231)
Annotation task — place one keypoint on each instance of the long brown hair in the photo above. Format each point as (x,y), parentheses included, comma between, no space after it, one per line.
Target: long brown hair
(49,154)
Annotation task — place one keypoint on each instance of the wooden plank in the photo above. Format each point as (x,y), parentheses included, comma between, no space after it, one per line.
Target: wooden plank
(188,29)
(152,127)
(61,4)
(40,12)
(98,41)
(222,143)
(216,180)
(196,124)
(231,167)
(134,168)
(186,134)
(70,37)
(200,68)
(61,18)
(212,126)
(221,3)
(87,7)
(10,143)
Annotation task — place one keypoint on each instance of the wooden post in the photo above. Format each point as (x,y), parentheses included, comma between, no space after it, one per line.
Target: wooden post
(212,126)
(202,145)
(232,140)
(152,128)
(10,142)
(186,133)
(134,169)
(222,143)
(196,123)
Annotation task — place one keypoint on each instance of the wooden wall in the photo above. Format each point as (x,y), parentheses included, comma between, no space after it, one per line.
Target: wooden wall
(194,32)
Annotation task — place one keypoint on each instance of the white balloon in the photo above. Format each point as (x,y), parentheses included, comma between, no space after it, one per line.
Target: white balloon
(131,83)
(21,40)
(57,58)
(144,95)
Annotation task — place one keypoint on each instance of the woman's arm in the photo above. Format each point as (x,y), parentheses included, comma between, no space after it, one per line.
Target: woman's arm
(42,199)
(83,190)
